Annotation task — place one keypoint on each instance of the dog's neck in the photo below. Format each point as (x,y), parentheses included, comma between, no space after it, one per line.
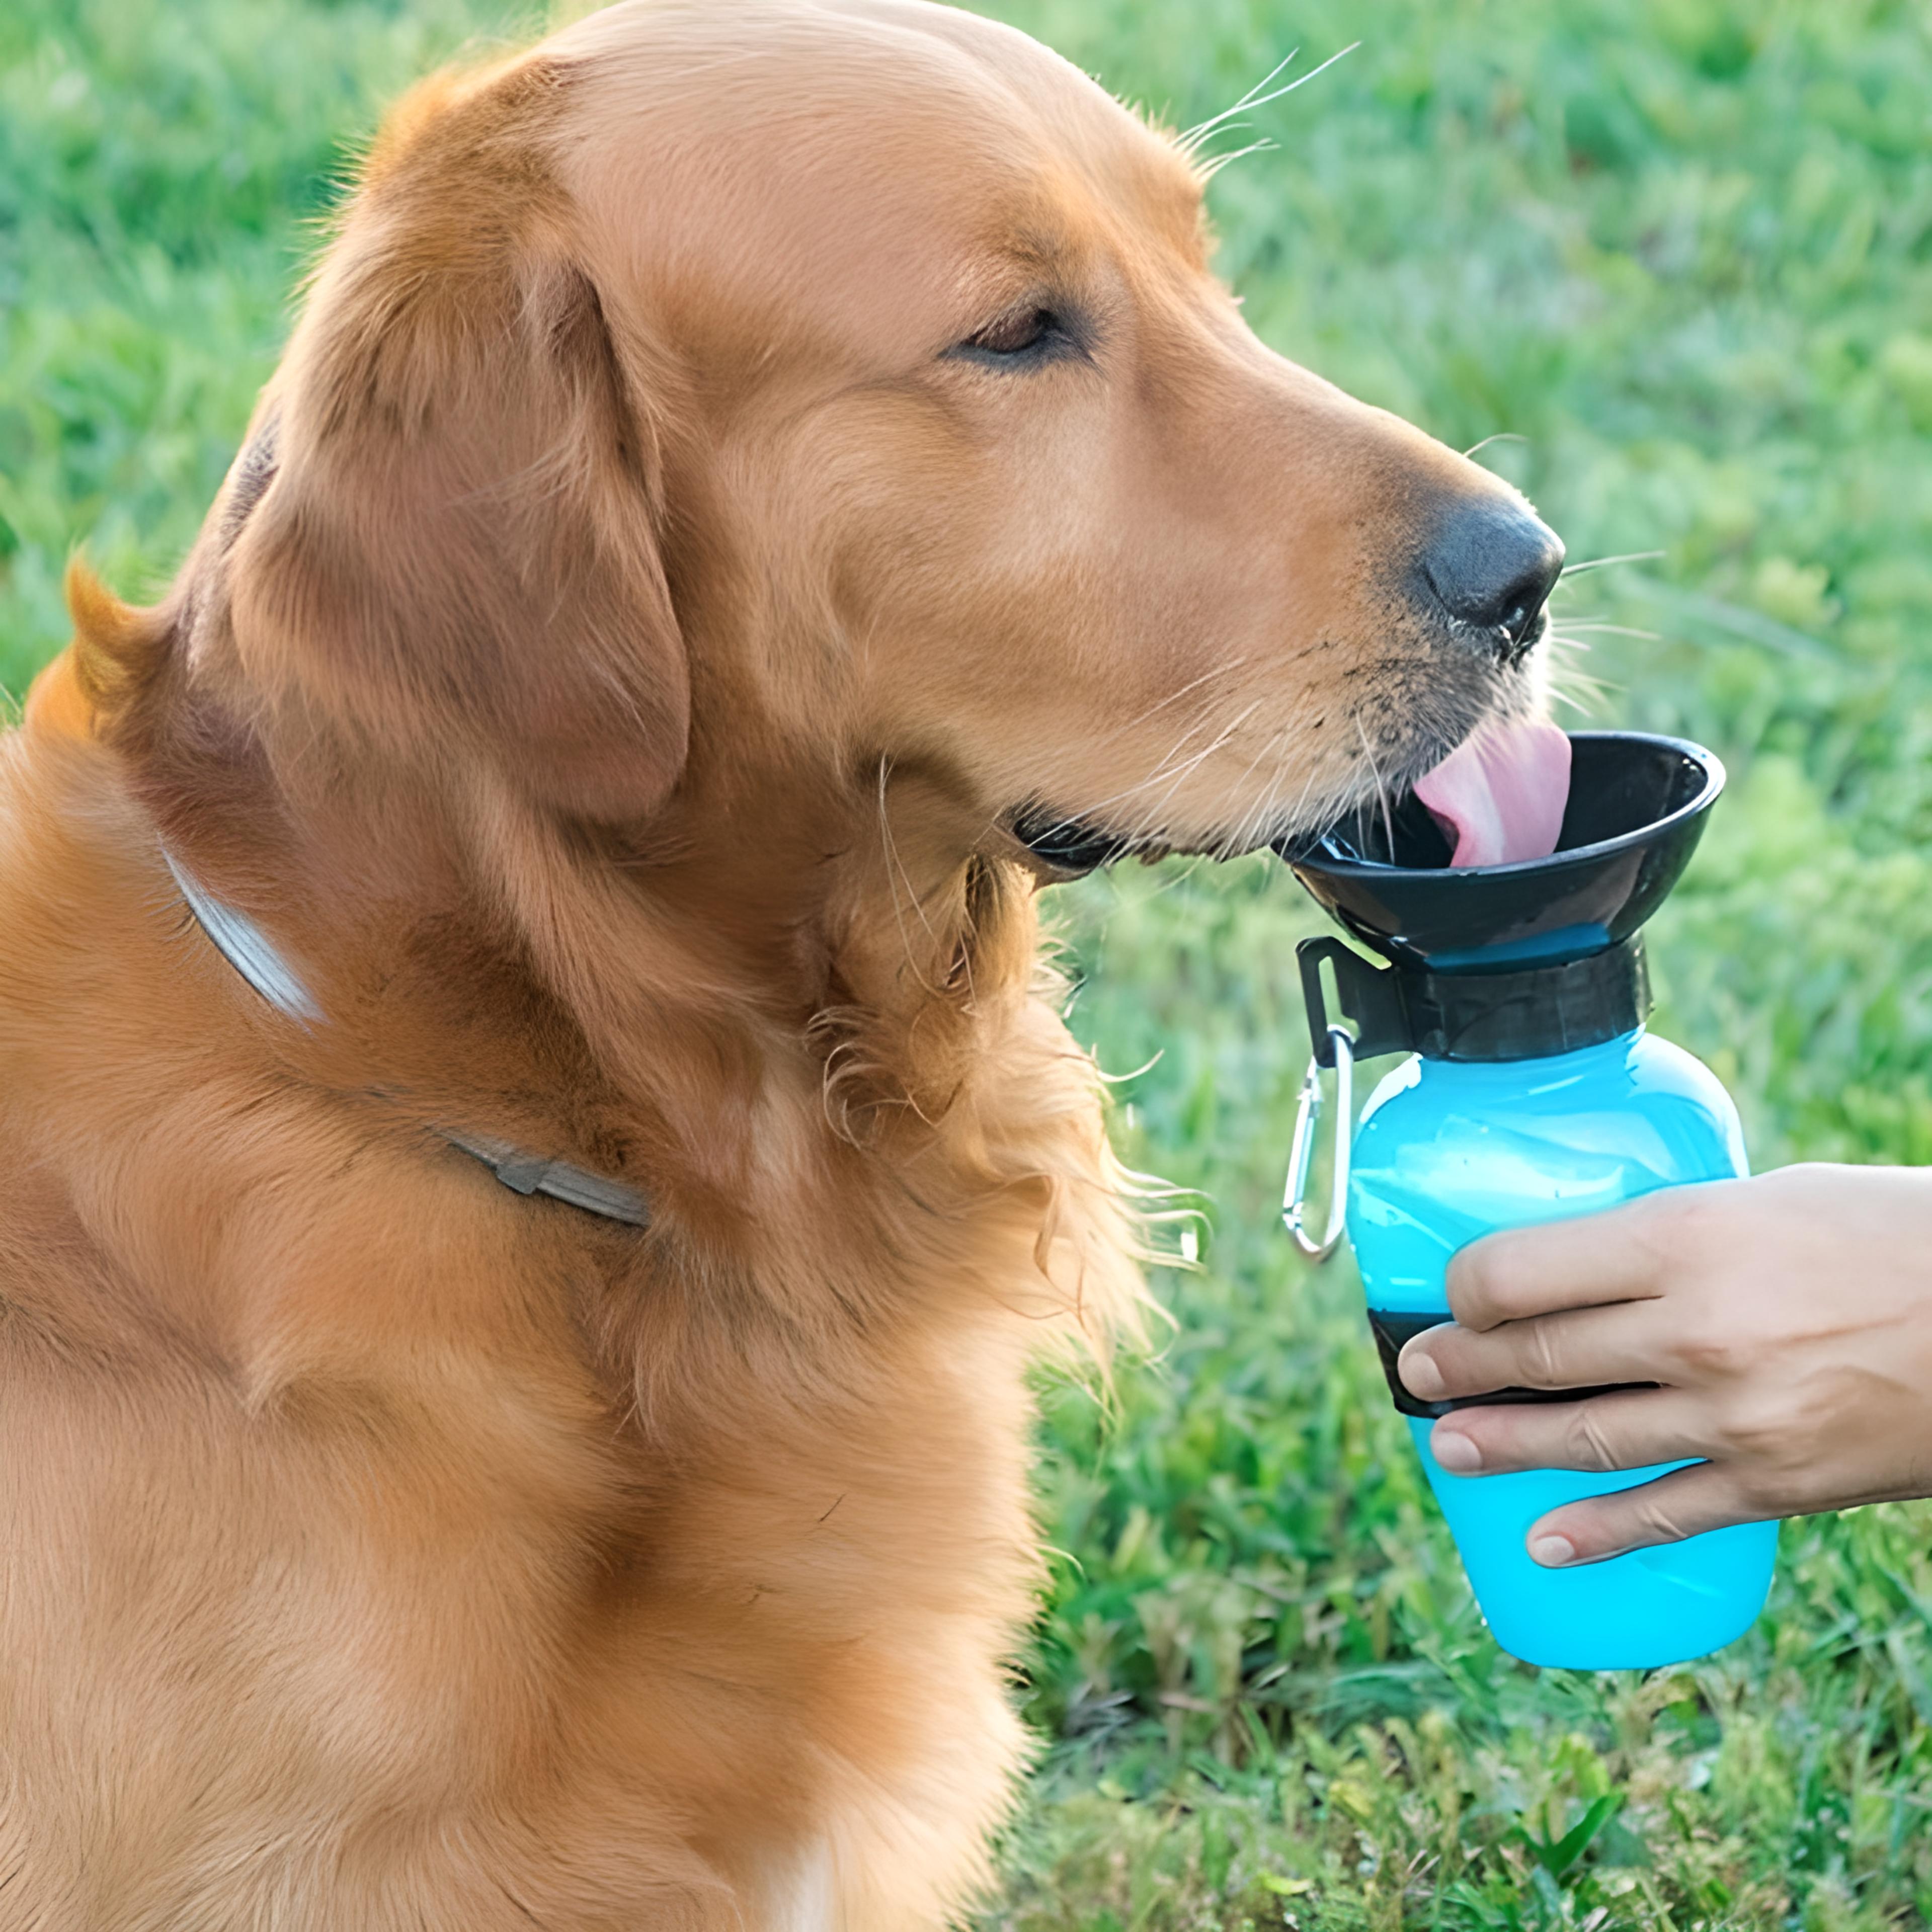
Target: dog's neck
(664,1007)
(845,1104)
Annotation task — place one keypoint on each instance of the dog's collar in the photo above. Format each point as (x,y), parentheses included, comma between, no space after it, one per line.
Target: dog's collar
(252,953)
(530,1173)
(246,948)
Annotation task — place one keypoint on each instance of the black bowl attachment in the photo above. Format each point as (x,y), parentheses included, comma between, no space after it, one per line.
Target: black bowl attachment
(1509,962)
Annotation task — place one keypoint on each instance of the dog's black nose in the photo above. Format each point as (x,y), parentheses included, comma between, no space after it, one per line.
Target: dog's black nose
(1493,566)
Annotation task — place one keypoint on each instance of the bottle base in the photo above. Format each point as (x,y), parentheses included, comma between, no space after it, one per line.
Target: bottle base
(1641,1611)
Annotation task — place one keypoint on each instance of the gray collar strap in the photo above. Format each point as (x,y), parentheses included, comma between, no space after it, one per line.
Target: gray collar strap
(529,1173)
(252,953)
(247,948)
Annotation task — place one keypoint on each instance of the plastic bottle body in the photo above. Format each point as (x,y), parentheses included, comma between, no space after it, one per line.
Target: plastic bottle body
(1448,1150)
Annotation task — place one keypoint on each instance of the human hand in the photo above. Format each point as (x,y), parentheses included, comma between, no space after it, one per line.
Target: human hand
(1787,1319)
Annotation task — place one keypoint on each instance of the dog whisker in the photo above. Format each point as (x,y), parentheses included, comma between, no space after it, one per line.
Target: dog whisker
(896,872)
(1148,826)
(1170,773)
(1210,168)
(1173,697)
(1247,99)
(1614,630)
(1189,143)
(1166,769)
(1237,837)
(1604,562)
(1381,793)
(1134,723)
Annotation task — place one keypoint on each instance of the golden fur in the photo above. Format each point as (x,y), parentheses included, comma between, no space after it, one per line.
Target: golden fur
(609,674)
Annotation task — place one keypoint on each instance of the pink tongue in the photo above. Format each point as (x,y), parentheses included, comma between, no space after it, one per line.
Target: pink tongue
(1501,794)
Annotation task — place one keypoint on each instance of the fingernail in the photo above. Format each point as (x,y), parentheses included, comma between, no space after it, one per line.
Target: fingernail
(1551,1551)
(1420,1377)
(1455,1452)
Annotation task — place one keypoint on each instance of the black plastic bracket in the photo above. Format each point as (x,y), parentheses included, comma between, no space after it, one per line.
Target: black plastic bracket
(1370,995)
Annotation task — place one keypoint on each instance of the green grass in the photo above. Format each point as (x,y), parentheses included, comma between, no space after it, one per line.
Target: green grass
(1684,249)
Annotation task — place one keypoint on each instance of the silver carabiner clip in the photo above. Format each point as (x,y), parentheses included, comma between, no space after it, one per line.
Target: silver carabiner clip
(1301,1153)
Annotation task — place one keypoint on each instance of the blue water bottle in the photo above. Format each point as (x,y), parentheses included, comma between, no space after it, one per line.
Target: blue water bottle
(1532,1091)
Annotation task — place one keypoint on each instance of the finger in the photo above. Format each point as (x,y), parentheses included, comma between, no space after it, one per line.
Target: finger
(1686,1502)
(1579,1350)
(1609,1432)
(1620,1255)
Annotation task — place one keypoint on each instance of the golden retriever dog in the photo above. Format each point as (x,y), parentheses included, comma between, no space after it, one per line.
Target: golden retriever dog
(539,1144)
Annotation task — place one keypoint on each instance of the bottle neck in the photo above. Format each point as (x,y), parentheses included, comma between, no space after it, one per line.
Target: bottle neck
(1532,1013)
(1529,1015)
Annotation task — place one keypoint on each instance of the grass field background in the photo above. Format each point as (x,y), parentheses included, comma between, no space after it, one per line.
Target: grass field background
(1683,249)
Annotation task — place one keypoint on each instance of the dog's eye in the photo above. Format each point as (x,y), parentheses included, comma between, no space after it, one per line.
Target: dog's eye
(1012,334)
(1021,335)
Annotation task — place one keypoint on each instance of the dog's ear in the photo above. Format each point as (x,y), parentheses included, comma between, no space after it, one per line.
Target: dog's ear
(443,537)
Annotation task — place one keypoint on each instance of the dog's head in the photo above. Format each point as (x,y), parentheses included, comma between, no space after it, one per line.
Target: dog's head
(732,403)
(1025,503)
